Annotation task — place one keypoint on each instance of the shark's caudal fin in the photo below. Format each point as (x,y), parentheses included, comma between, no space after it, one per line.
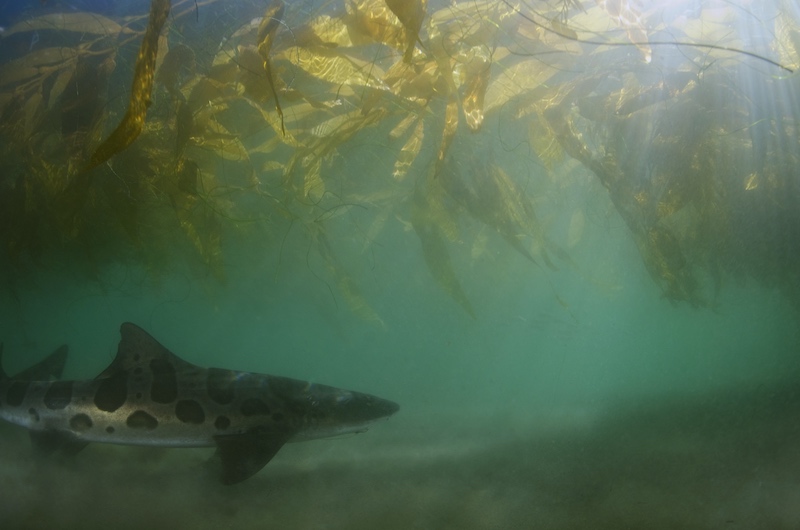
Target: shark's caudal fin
(51,367)
(48,368)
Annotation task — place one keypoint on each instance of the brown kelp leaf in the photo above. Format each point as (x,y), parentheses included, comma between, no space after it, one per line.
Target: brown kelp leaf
(324,30)
(376,228)
(178,62)
(373,20)
(318,148)
(198,223)
(492,197)
(33,110)
(577,226)
(79,22)
(625,14)
(543,141)
(426,220)
(418,84)
(408,153)
(266,36)
(516,81)
(132,123)
(787,39)
(667,264)
(401,128)
(410,13)
(83,107)
(332,66)
(287,138)
(251,74)
(561,28)
(61,82)
(223,143)
(344,282)
(313,185)
(38,63)
(477,68)
(449,131)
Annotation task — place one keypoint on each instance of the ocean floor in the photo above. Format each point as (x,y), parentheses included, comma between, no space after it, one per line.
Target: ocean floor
(724,461)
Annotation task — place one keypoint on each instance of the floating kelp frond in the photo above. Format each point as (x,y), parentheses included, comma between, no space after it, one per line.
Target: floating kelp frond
(265,37)
(411,14)
(144,73)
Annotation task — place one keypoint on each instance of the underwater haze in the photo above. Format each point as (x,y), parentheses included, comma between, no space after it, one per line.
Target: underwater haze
(563,235)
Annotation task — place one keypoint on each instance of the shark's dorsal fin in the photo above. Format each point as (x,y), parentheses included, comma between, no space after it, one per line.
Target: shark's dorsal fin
(48,368)
(138,348)
(240,456)
(51,367)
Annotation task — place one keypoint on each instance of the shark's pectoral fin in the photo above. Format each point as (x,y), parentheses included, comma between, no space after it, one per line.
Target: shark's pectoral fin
(240,456)
(48,442)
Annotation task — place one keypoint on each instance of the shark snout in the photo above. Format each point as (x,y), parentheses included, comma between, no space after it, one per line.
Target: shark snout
(366,407)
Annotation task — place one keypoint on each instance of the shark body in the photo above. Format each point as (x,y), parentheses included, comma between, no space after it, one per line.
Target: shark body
(150,396)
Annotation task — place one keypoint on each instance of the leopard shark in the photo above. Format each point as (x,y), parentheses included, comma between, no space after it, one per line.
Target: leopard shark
(150,396)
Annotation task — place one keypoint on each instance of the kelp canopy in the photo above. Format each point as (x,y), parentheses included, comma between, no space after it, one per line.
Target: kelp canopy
(132,138)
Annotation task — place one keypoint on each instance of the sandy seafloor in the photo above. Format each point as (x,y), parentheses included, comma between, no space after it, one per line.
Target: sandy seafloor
(716,461)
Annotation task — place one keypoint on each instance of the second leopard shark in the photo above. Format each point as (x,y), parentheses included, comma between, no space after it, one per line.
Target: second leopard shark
(150,396)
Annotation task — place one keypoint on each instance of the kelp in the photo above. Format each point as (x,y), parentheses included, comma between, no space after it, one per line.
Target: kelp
(143,76)
(266,35)
(386,111)
(410,13)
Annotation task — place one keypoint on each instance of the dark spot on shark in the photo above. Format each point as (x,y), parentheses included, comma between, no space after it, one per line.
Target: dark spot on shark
(16,393)
(110,429)
(137,371)
(138,395)
(165,382)
(222,423)
(112,392)
(190,411)
(136,357)
(58,395)
(277,416)
(80,422)
(220,386)
(34,414)
(141,420)
(254,407)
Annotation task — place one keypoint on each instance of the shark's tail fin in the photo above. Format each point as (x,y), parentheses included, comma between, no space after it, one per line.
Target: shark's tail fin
(48,368)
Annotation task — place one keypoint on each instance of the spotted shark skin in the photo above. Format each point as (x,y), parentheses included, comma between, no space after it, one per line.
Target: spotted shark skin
(150,396)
